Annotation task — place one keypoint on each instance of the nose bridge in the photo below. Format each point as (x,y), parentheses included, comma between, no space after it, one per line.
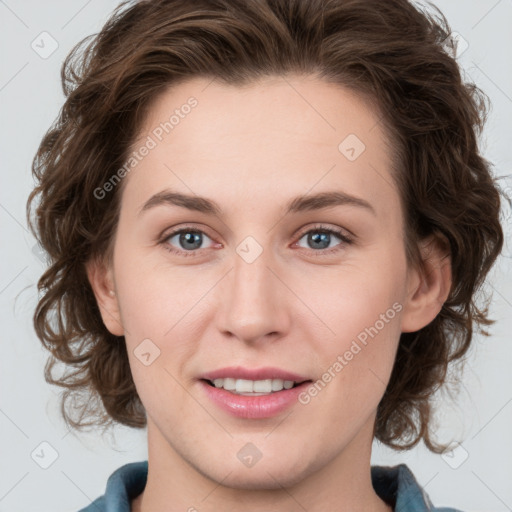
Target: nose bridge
(253,306)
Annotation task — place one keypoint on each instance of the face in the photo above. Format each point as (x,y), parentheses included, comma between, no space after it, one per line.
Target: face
(260,275)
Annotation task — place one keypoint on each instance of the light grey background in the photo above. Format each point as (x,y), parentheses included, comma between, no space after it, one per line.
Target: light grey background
(478,477)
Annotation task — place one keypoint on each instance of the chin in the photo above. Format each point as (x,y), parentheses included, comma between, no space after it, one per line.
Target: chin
(266,476)
(261,482)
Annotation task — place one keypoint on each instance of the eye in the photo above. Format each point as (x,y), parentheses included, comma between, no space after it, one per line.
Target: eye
(188,241)
(321,237)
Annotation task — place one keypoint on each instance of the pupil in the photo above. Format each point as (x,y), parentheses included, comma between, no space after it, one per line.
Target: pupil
(190,238)
(320,238)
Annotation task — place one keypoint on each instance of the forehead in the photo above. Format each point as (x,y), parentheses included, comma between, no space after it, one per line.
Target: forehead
(281,136)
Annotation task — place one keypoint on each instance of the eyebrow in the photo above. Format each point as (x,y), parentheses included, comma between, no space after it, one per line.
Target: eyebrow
(298,204)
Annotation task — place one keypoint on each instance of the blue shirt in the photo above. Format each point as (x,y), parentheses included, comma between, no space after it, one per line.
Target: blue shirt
(395,485)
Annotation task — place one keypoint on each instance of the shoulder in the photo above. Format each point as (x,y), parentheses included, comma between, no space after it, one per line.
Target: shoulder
(123,485)
(398,486)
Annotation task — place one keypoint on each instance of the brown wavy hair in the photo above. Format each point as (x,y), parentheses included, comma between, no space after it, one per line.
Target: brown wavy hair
(401,58)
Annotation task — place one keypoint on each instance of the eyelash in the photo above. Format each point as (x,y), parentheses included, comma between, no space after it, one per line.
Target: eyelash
(346,239)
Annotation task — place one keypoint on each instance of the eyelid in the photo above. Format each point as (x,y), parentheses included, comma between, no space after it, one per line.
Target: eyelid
(342,232)
(177,229)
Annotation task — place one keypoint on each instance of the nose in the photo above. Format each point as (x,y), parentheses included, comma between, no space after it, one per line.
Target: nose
(252,301)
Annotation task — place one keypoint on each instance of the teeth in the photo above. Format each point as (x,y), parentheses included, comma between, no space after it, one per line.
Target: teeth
(243,386)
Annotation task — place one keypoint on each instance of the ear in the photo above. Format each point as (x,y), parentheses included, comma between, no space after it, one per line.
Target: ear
(102,283)
(428,290)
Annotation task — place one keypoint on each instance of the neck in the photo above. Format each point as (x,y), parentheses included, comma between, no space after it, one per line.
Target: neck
(343,484)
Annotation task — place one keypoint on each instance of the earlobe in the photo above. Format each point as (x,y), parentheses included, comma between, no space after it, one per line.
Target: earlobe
(428,290)
(102,283)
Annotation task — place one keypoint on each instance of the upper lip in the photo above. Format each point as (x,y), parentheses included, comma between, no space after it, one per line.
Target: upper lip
(239,372)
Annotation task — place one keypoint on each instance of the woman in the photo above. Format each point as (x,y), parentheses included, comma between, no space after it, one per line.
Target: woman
(267,221)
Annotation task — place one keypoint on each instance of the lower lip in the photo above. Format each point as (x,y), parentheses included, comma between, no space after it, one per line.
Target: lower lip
(254,407)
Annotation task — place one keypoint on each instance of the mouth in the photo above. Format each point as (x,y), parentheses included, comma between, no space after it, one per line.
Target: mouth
(247,387)
(253,400)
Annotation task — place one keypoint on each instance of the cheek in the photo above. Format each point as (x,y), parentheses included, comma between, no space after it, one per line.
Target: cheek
(368,343)
(357,366)
(154,298)
(159,311)
(363,313)
(354,302)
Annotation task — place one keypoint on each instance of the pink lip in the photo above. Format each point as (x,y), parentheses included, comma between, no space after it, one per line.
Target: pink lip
(253,407)
(238,372)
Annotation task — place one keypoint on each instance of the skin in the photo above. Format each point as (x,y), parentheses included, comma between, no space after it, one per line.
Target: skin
(252,149)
